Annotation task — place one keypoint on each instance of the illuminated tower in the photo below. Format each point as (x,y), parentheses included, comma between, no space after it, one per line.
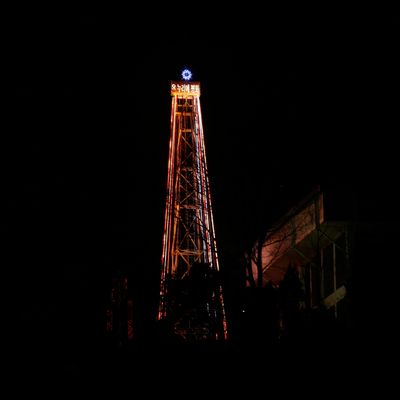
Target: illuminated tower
(190,291)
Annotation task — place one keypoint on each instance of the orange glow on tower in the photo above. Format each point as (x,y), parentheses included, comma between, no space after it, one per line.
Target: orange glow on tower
(190,291)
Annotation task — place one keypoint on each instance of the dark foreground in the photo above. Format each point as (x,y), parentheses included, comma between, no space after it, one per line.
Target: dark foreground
(207,362)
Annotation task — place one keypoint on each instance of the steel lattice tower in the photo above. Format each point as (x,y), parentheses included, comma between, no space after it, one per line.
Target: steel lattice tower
(190,291)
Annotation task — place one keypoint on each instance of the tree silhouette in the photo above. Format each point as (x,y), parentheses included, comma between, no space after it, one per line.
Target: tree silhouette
(291,294)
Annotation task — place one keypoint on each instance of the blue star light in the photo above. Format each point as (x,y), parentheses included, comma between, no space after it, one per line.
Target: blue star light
(186,74)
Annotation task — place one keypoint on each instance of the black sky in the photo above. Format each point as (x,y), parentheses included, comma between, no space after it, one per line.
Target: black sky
(86,154)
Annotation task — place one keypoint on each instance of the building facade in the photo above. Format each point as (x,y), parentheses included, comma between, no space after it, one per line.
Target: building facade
(316,239)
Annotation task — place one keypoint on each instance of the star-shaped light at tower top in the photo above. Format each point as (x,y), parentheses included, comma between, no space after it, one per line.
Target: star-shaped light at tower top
(186,74)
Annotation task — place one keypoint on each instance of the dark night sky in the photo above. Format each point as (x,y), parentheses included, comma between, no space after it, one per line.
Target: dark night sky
(86,157)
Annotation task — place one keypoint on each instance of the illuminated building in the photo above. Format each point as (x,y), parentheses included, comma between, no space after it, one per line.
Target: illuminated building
(190,293)
(316,238)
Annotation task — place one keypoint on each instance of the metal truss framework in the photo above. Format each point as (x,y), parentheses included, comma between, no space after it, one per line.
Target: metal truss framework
(189,236)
